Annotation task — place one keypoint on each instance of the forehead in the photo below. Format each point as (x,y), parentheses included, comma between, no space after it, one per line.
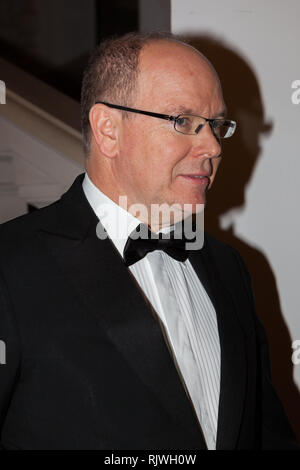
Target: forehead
(171,73)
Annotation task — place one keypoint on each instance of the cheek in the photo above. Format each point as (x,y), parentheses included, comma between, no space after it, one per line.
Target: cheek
(153,157)
(132,156)
(166,154)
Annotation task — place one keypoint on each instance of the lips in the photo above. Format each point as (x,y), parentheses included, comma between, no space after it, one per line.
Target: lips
(200,178)
(197,176)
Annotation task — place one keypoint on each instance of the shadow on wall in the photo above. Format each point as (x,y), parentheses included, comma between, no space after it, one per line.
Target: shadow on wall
(244,102)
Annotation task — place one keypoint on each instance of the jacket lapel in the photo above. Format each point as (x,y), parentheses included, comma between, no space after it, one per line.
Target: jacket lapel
(108,291)
(233,356)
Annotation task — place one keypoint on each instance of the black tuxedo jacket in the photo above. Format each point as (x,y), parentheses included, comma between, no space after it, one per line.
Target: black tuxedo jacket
(87,365)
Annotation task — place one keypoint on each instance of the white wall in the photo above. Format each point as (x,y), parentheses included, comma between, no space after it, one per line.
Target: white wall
(31,172)
(40,151)
(262,39)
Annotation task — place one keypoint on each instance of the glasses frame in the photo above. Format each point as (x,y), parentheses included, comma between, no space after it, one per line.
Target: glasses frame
(174,119)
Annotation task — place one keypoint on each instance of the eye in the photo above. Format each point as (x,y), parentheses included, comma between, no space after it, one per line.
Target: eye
(184,124)
(182,121)
(218,123)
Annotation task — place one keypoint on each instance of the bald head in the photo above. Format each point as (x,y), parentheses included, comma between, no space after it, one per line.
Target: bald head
(173,53)
(174,77)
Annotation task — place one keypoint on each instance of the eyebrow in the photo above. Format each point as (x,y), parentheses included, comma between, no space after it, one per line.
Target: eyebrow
(183,110)
(223,113)
(173,109)
(220,114)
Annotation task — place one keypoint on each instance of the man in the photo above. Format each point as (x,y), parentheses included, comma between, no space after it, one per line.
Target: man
(121,344)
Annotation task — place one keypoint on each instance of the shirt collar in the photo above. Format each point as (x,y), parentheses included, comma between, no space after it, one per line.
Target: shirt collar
(117,222)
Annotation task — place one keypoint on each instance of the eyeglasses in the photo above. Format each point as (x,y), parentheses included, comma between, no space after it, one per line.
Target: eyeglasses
(187,123)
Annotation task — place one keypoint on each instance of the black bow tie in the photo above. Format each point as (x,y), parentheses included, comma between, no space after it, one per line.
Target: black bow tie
(142,241)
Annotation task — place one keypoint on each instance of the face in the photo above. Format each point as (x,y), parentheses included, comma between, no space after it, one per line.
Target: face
(156,164)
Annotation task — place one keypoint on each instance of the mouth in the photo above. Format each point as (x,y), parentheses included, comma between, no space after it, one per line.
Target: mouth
(197,179)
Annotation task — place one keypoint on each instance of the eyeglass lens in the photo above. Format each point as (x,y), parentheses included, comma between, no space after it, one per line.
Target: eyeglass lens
(188,124)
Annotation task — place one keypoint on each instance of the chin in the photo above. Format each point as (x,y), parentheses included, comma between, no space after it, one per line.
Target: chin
(191,208)
(195,201)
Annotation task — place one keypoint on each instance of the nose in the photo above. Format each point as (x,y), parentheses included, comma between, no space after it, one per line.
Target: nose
(207,143)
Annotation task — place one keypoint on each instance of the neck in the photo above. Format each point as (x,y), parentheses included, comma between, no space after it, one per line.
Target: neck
(156,216)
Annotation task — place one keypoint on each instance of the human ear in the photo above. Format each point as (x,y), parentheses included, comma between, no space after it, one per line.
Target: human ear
(104,124)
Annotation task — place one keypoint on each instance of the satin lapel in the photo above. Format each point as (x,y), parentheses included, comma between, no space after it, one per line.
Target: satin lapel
(107,290)
(233,357)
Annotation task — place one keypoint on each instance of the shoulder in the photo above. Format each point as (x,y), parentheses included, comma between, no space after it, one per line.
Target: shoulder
(221,251)
(22,228)
(20,242)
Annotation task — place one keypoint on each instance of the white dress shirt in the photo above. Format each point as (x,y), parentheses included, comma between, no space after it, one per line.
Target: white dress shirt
(183,306)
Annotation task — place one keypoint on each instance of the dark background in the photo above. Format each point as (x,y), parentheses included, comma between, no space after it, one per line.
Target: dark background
(21,27)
